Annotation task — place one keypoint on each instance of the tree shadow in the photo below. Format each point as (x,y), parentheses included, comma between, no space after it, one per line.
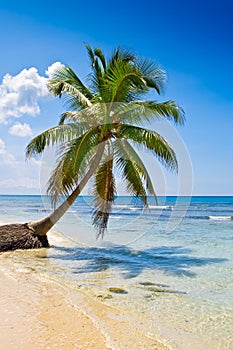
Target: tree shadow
(172,260)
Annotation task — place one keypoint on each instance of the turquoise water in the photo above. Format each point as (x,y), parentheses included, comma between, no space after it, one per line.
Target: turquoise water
(175,262)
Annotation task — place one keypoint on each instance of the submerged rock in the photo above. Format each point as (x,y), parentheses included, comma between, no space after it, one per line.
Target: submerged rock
(147,283)
(104,296)
(164,290)
(160,290)
(117,290)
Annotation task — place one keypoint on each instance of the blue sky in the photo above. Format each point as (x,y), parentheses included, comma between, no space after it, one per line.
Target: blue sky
(192,40)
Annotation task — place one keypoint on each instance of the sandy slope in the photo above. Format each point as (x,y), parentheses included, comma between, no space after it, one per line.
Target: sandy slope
(38,314)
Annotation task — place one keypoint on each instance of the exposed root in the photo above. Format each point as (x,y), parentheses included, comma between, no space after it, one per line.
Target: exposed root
(20,236)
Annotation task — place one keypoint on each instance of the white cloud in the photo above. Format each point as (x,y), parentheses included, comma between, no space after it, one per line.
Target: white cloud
(52,68)
(6,157)
(9,159)
(21,93)
(2,147)
(22,130)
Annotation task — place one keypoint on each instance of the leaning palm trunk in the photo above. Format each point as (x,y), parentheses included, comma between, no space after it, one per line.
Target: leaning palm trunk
(34,234)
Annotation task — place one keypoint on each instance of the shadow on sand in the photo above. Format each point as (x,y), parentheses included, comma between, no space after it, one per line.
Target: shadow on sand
(174,260)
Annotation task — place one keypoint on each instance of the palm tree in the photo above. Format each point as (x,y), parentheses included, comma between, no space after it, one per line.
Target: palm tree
(96,137)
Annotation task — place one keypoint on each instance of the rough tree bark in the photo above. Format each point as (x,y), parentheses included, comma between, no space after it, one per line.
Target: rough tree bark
(34,234)
(20,236)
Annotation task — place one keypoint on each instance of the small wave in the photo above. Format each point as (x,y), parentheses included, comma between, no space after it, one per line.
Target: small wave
(121,206)
(153,207)
(35,210)
(204,217)
(221,217)
(161,207)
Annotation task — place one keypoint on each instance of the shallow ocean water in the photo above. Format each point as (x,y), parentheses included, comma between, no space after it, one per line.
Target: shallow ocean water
(175,262)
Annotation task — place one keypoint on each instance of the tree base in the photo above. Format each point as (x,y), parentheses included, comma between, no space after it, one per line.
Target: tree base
(20,236)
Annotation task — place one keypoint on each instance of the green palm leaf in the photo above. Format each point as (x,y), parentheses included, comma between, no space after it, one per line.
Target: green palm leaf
(98,52)
(56,135)
(90,54)
(151,141)
(104,192)
(121,54)
(96,77)
(73,162)
(92,116)
(65,81)
(153,74)
(125,150)
(137,112)
(123,82)
(131,176)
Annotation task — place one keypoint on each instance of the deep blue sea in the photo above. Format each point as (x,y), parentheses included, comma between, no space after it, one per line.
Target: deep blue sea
(175,261)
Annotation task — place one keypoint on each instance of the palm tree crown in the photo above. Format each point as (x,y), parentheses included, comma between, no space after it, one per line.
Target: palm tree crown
(102,126)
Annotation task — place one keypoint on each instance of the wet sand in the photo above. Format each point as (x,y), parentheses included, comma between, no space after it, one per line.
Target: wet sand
(39,314)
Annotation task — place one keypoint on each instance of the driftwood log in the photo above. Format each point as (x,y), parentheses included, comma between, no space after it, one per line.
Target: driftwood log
(20,236)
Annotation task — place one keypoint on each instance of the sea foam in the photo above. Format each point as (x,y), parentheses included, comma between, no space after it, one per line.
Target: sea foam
(221,217)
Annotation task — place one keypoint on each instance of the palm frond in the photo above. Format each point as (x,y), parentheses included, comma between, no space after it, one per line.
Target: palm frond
(64,81)
(126,150)
(131,172)
(98,52)
(123,82)
(72,164)
(152,141)
(56,135)
(104,192)
(63,180)
(137,112)
(96,77)
(70,116)
(90,54)
(93,116)
(153,74)
(121,54)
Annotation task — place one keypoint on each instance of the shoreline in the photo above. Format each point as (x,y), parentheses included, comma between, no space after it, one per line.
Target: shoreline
(41,317)
(191,311)
(39,313)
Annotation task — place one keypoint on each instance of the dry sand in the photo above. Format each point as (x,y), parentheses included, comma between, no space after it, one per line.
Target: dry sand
(40,314)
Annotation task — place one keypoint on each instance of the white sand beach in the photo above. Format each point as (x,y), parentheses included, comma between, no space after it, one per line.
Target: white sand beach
(38,313)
